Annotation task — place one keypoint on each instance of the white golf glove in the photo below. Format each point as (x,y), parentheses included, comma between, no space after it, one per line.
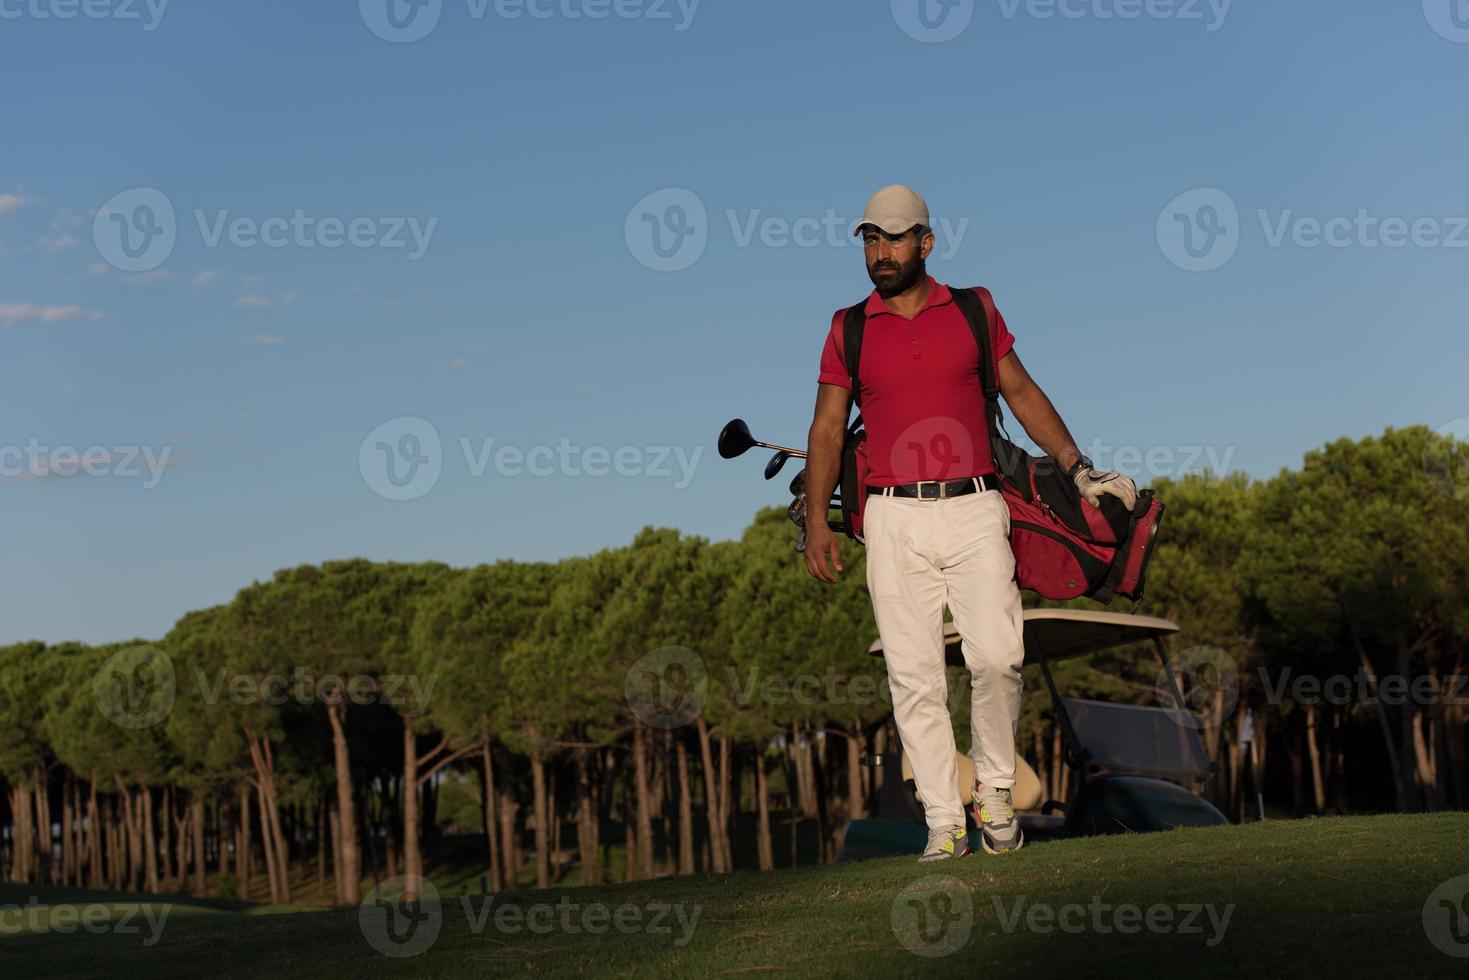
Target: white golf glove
(1093,483)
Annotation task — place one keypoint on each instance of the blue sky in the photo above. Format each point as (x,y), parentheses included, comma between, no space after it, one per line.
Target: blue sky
(1072,146)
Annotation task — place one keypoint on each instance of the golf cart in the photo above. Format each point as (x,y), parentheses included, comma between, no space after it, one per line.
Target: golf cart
(1133,768)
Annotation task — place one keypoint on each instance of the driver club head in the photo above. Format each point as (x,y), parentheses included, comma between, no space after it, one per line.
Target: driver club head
(776,462)
(735,439)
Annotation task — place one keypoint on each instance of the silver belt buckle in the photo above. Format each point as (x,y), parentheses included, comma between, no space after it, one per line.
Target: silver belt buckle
(940,495)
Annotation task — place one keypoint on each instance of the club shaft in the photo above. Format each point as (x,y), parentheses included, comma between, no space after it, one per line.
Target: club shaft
(798,453)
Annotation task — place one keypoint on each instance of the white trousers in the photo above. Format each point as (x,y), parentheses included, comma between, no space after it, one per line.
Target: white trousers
(920,555)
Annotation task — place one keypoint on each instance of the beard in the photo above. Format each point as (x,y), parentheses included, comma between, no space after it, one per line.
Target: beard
(892,277)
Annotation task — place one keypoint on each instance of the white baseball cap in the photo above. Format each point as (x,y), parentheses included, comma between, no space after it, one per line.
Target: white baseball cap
(895,209)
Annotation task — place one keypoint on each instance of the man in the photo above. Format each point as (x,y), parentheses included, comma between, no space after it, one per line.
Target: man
(936,528)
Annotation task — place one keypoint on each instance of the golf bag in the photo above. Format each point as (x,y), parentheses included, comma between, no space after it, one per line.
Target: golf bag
(1064,547)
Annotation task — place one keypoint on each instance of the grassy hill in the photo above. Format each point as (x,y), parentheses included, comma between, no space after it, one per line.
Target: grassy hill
(1341,897)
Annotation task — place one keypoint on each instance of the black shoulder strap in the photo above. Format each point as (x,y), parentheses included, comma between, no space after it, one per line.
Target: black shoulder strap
(974,312)
(852,327)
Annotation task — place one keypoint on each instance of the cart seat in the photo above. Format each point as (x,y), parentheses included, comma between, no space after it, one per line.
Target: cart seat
(1138,739)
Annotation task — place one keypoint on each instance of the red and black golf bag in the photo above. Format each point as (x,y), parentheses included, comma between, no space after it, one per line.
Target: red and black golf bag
(1064,547)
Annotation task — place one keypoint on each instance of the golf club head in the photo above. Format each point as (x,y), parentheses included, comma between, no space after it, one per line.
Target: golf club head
(776,462)
(735,439)
(798,484)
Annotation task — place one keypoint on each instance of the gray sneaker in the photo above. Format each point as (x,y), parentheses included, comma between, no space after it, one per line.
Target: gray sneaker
(946,843)
(994,814)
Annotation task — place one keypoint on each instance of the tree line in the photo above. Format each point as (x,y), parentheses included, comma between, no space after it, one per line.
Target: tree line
(678,706)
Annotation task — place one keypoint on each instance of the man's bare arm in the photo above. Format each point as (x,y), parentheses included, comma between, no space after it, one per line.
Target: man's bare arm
(1036,413)
(823,469)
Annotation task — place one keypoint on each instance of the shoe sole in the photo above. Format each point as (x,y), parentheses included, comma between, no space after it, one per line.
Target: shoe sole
(947,857)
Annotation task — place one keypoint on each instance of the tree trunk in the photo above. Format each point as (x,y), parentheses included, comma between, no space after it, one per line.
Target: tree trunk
(1313,749)
(492,828)
(21,862)
(712,802)
(586,821)
(412,852)
(685,807)
(68,847)
(728,801)
(509,837)
(856,799)
(196,813)
(346,806)
(538,790)
(276,854)
(242,855)
(1399,778)
(335,820)
(150,843)
(644,807)
(553,828)
(762,802)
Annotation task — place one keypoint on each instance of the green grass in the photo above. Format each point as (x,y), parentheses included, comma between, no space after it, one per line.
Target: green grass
(1340,897)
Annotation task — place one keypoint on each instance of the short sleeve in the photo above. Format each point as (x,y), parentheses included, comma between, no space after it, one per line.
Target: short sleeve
(1004,342)
(833,362)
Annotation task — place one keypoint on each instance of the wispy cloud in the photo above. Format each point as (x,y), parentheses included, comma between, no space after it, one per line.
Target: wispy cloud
(150,278)
(250,301)
(265,339)
(251,298)
(11,202)
(206,277)
(457,364)
(98,269)
(59,242)
(15,314)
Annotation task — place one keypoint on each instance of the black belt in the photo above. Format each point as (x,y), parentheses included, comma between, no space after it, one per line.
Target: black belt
(938,489)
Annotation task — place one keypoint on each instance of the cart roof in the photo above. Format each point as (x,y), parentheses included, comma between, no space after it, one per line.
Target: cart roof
(1065,633)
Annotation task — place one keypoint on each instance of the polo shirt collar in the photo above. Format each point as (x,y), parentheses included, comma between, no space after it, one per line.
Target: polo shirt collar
(938,295)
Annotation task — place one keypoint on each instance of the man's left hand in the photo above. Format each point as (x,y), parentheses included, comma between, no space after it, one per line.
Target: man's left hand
(1093,483)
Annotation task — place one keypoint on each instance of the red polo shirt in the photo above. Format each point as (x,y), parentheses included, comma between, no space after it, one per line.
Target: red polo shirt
(921,397)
